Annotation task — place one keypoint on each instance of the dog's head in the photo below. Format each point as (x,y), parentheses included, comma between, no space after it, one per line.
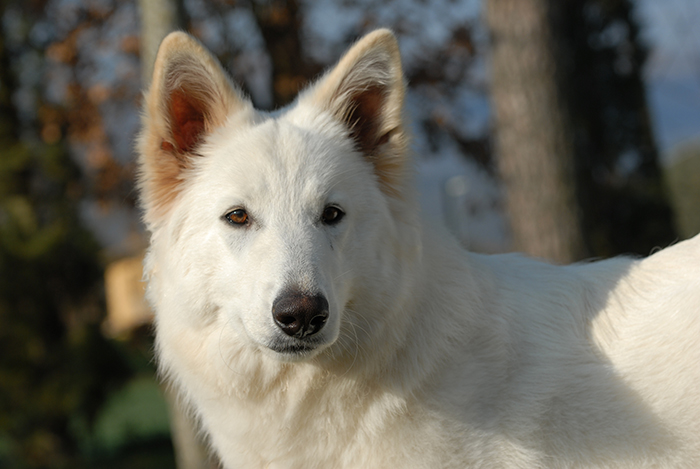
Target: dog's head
(267,228)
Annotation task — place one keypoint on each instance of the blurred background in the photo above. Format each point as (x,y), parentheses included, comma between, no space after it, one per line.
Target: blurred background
(566,129)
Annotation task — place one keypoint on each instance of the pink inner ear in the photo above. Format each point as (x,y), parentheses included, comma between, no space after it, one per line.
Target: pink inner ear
(365,117)
(187,120)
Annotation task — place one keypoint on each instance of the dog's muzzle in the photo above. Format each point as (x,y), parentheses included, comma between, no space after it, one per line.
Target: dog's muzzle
(300,315)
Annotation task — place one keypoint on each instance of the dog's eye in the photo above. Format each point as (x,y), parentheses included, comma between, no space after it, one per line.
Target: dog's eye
(237,217)
(332,215)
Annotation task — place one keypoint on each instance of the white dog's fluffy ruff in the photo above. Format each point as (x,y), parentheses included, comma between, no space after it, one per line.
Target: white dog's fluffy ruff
(426,355)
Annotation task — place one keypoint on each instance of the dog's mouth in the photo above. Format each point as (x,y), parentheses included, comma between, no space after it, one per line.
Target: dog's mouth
(294,349)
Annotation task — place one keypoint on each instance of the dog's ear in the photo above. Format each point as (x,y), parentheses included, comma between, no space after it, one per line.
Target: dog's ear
(365,91)
(190,96)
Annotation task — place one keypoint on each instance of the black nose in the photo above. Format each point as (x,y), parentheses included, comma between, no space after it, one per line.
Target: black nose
(300,315)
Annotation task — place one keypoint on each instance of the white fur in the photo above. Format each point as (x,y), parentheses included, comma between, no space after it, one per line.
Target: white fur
(432,357)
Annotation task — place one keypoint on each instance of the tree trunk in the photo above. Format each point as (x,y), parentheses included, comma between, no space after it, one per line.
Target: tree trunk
(280,25)
(158,18)
(534,147)
(618,177)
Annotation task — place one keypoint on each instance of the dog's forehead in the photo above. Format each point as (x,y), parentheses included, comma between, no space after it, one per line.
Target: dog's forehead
(284,155)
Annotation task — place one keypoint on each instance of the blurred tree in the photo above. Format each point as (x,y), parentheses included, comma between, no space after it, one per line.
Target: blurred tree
(533,135)
(573,134)
(280,25)
(619,182)
(158,18)
(55,366)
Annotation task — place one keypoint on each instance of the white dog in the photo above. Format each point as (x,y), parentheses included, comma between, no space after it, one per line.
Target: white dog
(312,321)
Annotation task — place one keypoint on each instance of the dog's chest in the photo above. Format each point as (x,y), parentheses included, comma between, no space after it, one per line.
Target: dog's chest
(322,427)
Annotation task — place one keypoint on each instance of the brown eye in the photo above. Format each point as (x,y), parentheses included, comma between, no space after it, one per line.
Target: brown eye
(237,217)
(332,215)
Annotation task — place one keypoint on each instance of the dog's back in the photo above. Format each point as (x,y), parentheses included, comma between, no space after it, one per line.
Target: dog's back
(605,358)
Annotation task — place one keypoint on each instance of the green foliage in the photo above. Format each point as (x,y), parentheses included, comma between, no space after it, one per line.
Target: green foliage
(137,412)
(55,366)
